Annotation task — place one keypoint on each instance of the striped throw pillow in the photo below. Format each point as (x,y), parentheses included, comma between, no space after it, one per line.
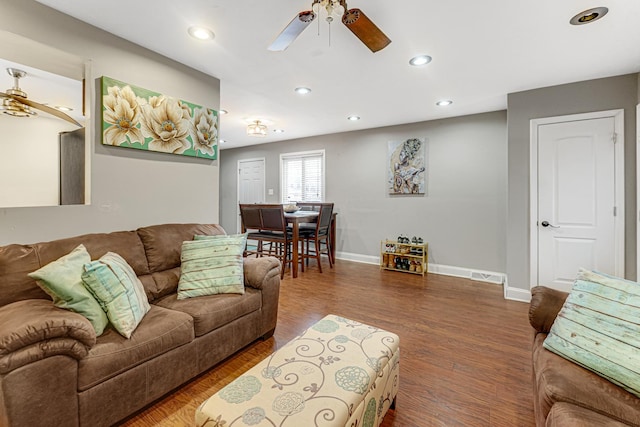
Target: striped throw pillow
(212,265)
(118,290)
(599,328)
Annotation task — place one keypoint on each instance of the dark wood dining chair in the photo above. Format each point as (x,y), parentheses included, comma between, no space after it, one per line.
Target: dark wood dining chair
(265,224)
(319,235)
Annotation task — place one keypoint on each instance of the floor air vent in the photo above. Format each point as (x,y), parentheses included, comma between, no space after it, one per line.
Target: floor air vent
(487,277)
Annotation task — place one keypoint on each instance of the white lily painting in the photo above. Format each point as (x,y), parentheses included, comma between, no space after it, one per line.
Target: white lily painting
(138,118)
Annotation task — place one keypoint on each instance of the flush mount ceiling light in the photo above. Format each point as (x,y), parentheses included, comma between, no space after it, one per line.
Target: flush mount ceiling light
(302,90)
(62,108)
(444,103)
(223,112)
(416,61)
(256,129)
(278,130)
(222,141)
(201,33)
(353,118)
(588,16)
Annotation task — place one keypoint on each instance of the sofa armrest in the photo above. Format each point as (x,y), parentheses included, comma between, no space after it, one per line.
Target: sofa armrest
(32,330)
(544,307)
(258,271)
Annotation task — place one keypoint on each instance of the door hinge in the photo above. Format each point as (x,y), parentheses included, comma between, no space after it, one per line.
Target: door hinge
(614,137)
(615,211)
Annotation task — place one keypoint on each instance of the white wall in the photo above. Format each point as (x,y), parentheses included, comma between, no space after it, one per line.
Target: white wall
(462,216)
(129,188)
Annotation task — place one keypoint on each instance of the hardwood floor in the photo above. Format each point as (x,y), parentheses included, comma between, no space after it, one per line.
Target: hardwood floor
(464,350)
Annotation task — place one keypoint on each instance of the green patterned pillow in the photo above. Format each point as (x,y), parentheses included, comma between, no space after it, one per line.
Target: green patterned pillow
(598,328)
(118,290)
(212,265)
(62,280)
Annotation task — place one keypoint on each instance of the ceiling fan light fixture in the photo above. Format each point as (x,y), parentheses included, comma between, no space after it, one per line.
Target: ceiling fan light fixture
(201,33)
(257,129)
(588,16)
(419,60)
(16,109)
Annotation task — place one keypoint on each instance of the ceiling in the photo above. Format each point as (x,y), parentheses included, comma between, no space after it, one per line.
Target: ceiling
(481,52)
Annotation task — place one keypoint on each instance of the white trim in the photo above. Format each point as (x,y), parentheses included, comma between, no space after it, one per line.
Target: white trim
(445,270)
(264,185)
(637,191)
(618,116)
(516,294)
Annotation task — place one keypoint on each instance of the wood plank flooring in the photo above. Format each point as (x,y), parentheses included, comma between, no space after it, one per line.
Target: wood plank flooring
(464,350)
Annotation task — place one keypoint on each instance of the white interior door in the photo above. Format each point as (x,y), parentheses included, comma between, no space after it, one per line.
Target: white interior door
(579,207)
(251,185)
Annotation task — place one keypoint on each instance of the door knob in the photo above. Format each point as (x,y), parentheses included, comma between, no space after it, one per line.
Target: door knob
(546,224)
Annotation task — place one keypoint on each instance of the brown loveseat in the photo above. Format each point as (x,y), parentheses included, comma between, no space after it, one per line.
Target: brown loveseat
(566,394)
(53,370)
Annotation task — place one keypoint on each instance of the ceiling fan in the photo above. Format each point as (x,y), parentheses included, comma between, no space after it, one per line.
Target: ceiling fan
(354,19)
(15,102)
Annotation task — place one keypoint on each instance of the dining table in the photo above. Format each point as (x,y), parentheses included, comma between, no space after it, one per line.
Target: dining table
(306,217)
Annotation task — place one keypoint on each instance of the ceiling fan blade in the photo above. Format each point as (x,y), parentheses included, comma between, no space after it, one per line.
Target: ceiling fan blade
(292,31)
(365,30)
(54,112)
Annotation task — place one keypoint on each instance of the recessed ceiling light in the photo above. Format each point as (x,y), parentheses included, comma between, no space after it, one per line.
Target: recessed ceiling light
(278,130)
(222,141)
(353,118)
(444,103)
(63,108)
(223,112)
(420,60)
(588,16)
(302,90)
(201,33)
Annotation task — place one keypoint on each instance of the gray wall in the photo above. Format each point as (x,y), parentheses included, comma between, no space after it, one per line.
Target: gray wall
(129,188)
(582,97)
(462,216)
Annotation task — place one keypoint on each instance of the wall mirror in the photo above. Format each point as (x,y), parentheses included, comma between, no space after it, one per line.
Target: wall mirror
(44,155)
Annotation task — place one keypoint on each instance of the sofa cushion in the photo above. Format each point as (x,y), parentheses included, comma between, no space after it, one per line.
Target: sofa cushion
(118,290)
(62,280)
(599,328)
(213,311)
(160,331)
(559,380)
(212,265)
(16,262)
(163,243)
(568,415)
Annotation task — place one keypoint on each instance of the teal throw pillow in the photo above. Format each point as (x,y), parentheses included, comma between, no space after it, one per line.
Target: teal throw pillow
(212,265)
(62,280)
(598,328)
(118,290)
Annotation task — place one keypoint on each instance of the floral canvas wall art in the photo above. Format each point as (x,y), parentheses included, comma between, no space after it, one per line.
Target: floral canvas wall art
(138,118)
(406,162)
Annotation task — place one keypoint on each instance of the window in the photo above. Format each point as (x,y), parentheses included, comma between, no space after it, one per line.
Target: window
(302,176)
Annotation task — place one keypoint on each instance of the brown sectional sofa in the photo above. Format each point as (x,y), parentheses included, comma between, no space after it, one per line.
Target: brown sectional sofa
(565,394)
(53,369)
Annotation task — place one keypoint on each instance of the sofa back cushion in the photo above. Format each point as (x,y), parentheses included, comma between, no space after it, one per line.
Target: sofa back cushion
(163,246)
(16,261)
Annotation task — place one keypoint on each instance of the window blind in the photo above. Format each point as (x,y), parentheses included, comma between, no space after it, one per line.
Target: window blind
(302,177)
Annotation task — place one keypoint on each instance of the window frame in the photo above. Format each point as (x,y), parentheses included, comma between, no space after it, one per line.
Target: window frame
(299,155)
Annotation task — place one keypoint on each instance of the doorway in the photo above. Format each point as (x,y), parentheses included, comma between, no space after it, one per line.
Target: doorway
(577,197)
(251,184)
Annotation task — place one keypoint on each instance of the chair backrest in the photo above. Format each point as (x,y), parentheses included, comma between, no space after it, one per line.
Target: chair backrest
(324,218)
(250,215)
(309,206)
(273,218)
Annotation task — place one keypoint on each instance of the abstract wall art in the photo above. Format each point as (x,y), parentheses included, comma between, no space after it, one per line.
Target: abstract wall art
(406,162)
(138,118)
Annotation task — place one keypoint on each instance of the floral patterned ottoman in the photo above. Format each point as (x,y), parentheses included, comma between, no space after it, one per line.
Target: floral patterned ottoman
(337,373)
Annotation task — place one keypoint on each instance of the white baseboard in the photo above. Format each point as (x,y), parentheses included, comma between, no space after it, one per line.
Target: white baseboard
(448,270)
(516,294)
